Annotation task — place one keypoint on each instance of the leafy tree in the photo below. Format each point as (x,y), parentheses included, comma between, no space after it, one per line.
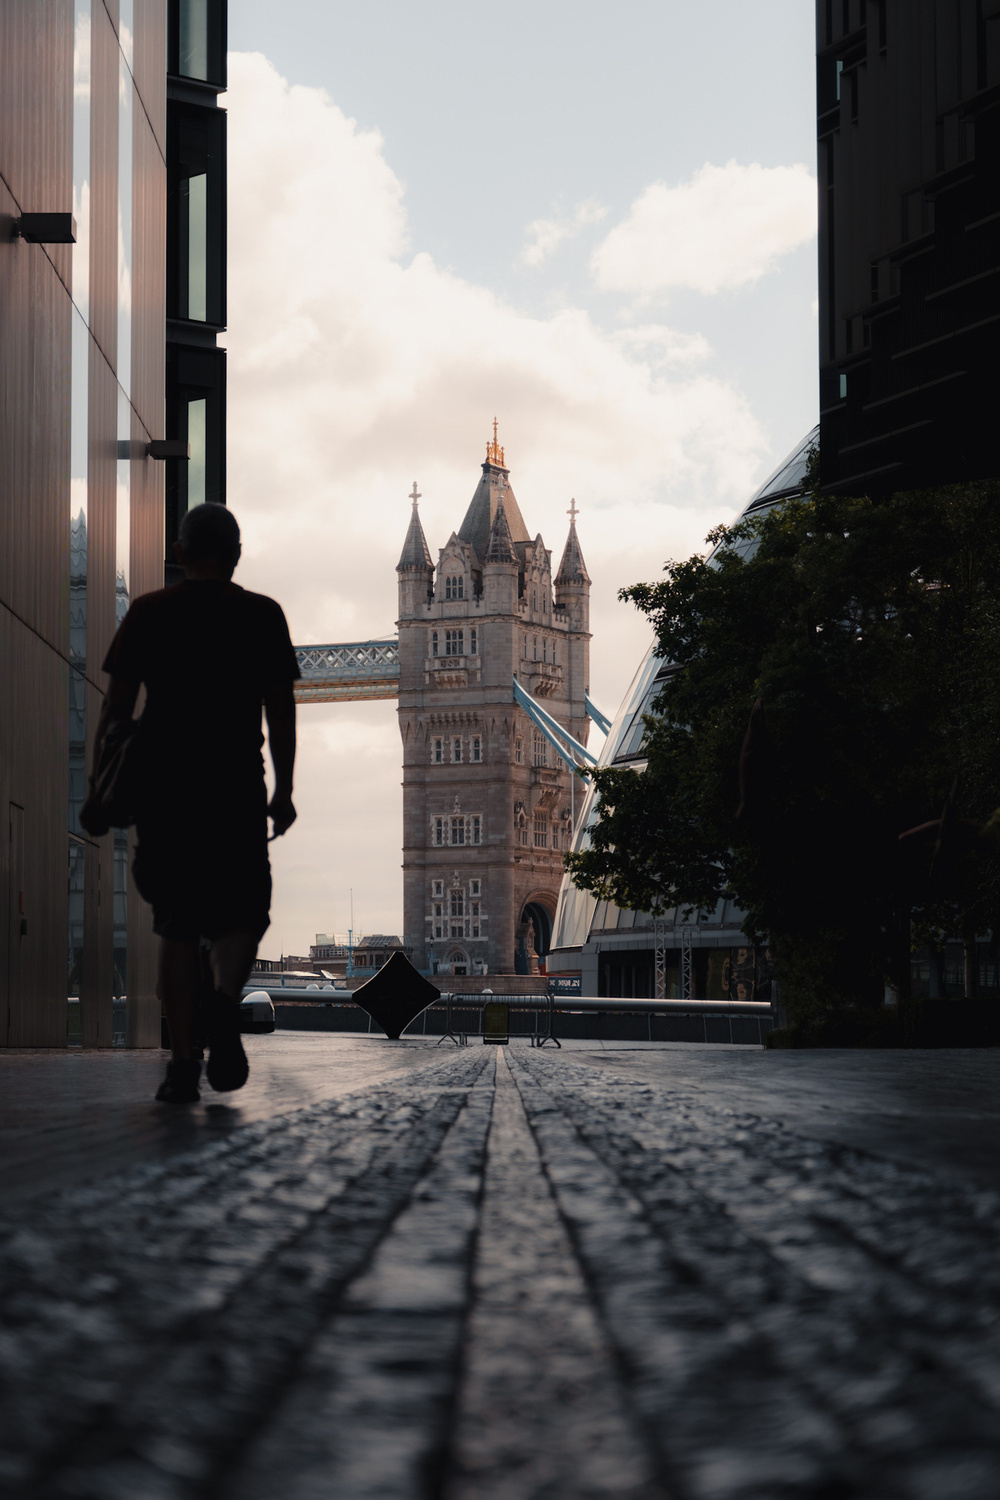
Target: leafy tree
(868,635)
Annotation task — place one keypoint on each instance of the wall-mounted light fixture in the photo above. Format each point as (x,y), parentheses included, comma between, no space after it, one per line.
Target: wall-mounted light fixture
(46,229)
(169,448)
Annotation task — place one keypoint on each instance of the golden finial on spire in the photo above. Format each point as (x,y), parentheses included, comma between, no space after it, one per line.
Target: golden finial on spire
(494,452)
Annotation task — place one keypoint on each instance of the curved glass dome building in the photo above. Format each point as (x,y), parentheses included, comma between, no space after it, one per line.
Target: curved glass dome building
(614,951)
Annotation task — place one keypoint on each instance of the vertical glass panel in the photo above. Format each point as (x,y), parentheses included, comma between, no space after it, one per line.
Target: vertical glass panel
(192,209)
(196,191)
(123,516)
(74,975)
(196,425)
(81,155)
(123,364)
(193,38)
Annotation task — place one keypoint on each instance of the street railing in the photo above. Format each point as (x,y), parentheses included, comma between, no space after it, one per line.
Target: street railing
(459,1010)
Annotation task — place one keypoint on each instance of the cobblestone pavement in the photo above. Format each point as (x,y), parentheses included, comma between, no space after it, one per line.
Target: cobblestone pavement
(497,1274)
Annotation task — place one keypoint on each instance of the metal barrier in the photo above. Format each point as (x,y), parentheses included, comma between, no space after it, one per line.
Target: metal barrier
(547,1008)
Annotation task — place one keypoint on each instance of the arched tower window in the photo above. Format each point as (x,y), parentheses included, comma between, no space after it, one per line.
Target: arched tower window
(454,586)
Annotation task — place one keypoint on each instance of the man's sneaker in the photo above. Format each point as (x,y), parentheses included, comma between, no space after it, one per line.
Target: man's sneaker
(228,1068)
(181,1083)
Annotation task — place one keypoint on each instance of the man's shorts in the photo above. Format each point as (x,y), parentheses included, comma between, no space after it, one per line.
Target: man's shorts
(208,874)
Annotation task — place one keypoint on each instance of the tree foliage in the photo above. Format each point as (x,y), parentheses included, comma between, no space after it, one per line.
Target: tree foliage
(870,634)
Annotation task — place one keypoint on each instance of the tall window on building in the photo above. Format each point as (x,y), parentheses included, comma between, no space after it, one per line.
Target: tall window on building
(438,752)
(539,748)
(196,40)
(438,887)
(458,830)
(475,919)
(475,888)
(541,831)
(456,748)
(439,830)
(476,829)
(454,643)
(454,586)
(518,752)
(473,642)
(196,214)
(457,914)
(476,748)
(438,919)
(434,643)
(196,414)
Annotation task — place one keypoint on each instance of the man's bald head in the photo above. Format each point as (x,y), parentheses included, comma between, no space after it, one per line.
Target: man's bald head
(210,534)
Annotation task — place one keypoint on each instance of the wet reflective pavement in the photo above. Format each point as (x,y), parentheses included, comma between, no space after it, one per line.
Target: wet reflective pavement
(394,1270)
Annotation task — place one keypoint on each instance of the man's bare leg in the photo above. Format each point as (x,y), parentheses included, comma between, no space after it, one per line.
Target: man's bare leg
(232,958)
(177,987)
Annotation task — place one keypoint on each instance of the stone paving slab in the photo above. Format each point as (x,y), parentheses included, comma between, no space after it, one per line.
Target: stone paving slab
(503,1274)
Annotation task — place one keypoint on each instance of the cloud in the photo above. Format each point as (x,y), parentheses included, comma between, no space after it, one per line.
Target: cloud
(357,364)
(546,235)
(723,229)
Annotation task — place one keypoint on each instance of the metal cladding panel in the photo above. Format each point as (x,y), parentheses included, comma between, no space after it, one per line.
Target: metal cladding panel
(104,64)
(34,777)
(148,358)
(143,1012)
(149,66)
(102,504)
(36,175)
(34,441)
(36,119)
(36,59)
(95,992)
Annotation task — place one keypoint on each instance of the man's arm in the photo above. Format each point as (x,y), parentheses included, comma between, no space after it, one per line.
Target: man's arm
(279,706)
(119,701)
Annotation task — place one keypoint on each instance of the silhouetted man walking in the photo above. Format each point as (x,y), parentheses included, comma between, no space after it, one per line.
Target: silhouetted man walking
(209,655)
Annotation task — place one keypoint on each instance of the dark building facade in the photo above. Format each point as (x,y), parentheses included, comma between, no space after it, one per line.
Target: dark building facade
(196,258)
(112,290)
(908,105)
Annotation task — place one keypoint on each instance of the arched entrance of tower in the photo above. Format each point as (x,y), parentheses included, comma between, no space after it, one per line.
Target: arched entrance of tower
(533,937)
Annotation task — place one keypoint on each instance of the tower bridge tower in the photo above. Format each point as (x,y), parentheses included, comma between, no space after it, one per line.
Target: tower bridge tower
(486,801)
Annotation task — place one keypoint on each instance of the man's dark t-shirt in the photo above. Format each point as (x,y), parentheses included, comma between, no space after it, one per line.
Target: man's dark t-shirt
(207,653)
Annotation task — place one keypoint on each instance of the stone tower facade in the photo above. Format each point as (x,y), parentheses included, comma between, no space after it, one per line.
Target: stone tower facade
(486,800)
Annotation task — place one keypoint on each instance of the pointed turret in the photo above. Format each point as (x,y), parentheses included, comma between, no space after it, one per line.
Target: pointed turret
(415,553)
(415,568)
(572,569)
(493,493)
(500,547)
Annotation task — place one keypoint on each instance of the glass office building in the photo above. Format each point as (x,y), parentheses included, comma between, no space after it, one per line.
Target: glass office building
(615,951)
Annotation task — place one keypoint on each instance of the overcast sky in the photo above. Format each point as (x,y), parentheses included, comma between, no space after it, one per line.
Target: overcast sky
(597,223)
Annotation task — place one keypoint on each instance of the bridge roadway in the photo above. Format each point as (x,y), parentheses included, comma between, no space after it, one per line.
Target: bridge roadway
(348,672)
(392,1270)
